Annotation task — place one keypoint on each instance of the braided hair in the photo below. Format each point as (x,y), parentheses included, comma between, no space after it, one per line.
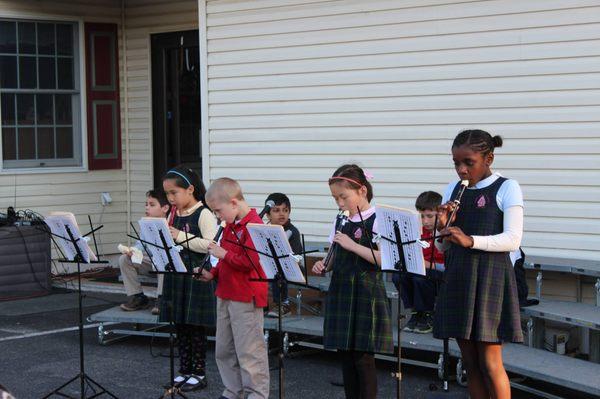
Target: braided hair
(478,140)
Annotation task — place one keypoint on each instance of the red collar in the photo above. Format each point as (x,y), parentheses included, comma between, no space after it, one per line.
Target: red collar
(245,220)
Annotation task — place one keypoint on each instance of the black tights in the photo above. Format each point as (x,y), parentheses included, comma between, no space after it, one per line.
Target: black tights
(360,375)
(191,341)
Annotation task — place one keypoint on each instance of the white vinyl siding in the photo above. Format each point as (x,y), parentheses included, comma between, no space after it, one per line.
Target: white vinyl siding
(296,88)
(74,191)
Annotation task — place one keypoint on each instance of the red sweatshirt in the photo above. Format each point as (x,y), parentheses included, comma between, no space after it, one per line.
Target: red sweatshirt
(240,265)
(437,255)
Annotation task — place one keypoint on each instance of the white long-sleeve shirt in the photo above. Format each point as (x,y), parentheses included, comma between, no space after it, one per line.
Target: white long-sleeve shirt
(208,227)
(510,200)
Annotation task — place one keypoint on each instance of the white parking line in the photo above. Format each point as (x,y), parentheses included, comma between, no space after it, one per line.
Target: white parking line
(59,330)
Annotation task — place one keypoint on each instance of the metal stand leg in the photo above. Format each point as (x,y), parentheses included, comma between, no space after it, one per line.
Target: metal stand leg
(535,328)
(84,380)
(595,346)
(398,373)
(460,374)
(538,286)
(299,302)
(172,390)
(597,287)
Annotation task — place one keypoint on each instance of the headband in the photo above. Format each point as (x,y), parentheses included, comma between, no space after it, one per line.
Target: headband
(345,178)
(182,176)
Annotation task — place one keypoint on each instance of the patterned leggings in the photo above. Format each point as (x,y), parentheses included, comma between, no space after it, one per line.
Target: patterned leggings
(360,375)
(191,341)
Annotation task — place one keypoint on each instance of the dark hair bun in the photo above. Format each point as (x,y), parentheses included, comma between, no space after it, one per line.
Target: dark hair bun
(497,140)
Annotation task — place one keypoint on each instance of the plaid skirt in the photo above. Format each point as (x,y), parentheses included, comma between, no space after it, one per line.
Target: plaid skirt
(357,314)
(193,302)
(478,300)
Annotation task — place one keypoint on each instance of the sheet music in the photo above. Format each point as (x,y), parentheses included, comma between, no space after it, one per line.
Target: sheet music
(259,234)
(149,232)
(409,223)
(58,222)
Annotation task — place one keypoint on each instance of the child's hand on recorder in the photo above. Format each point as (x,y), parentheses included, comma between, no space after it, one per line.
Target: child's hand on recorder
(458,237)
(344,241)
(216,251)
(318,267)
(174,232)
(203,275)
(443,212)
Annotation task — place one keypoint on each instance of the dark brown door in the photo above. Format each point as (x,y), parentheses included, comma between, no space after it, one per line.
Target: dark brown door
(175,102)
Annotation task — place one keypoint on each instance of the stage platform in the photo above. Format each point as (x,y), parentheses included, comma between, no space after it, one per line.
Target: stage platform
(307,331)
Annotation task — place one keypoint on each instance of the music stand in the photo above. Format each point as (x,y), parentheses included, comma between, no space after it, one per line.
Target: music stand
(165,258)
(410,238)
(402,254)
(396,256)
(275,254)
(445,356)
(74,247)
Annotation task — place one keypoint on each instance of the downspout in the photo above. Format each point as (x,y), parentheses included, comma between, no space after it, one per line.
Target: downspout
(203,48)
(126,113)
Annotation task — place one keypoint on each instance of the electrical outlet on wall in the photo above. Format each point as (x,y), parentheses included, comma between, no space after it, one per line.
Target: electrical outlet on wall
(105,198)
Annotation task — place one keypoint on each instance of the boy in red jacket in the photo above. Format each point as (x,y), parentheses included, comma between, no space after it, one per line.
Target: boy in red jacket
(240,350)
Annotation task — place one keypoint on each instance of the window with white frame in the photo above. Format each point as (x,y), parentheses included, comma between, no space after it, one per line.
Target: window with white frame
(39,94)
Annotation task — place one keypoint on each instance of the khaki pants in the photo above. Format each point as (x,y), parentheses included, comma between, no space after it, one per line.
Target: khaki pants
(130,272)
(240,350)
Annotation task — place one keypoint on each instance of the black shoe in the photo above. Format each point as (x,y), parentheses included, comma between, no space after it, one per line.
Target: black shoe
(529,302)
(412,322)
(425,323)
(180,380)
(136,302)
(200,383)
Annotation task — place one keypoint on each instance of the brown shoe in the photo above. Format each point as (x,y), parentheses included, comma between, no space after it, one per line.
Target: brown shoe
(135,302)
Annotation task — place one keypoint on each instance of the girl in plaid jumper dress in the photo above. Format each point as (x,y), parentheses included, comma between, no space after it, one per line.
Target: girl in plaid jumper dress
(478,303)
(357,315)
(190,303)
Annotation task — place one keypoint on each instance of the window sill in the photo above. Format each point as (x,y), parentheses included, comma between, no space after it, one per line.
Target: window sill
(35,171)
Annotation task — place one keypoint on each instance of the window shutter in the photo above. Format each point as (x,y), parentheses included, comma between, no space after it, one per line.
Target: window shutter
(103,110)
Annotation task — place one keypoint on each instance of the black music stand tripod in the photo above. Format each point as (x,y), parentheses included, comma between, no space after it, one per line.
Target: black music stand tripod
(84,379)
(400,268)
(172,389)
(279,279)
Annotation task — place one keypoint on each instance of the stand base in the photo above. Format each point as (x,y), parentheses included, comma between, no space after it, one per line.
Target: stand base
(172,392)
(86,381)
